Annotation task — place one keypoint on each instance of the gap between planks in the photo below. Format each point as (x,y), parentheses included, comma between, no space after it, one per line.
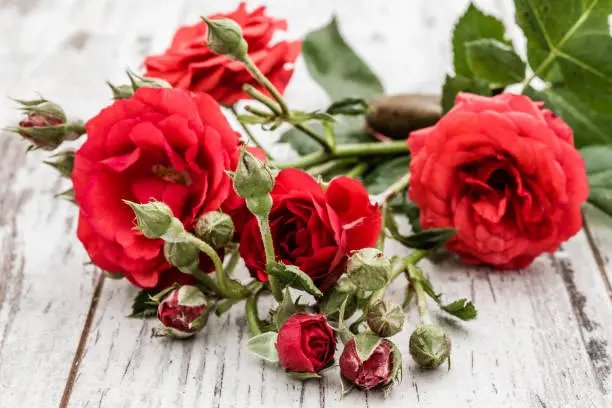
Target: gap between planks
(80,351)
(599,260)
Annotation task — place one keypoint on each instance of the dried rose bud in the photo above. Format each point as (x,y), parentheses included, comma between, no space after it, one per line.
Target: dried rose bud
(183,312)
(45,124)
(430,346)
(380,367)
(385,318)
(368,269)
(215,228)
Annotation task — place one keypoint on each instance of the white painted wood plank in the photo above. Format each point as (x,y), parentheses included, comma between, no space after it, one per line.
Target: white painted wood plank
(600,233)
(526,349)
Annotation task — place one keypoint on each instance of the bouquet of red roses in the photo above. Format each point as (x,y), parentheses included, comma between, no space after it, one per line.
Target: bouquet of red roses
(171,197)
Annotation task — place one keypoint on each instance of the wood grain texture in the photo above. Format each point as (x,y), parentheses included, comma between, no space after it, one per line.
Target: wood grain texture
(543,336)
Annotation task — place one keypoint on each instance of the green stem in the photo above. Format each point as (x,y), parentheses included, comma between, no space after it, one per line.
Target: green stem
(258,112)
(417,285)
(357,171)
(266,237)
(204,279)
(261,78)
(249,134)
(397,267)
(212,254)
(231,264)
(320,170)
(258,96)
(349,150)
(322,140)
(397,187)
(251,312)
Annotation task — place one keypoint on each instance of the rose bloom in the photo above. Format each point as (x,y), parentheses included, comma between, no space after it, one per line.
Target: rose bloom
(376,370)
(312,228)
(162,144)
(305,343)
(189,64)
(505,173)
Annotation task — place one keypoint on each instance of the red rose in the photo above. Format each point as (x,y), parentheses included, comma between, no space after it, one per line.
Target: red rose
(505,173)
(180,309)
(165,144)
(305,343)
(376,370)
(189,64)
(312,228)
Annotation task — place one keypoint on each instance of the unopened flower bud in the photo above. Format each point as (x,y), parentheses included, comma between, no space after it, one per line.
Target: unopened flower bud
(215,228)
(253,178)
(225,38)
(155,220)
(181,254)
(45,124)
(63,163)
(121,91)
(368,269)
(183,311)
(376,370)
(385,318)
(430,346)
(136,82)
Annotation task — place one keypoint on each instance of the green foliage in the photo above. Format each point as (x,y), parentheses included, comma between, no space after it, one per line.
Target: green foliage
(143,307)
(598,161)
(453,85)
(385,174)
(462,309)
(335,66)
(495,61)
(292,276)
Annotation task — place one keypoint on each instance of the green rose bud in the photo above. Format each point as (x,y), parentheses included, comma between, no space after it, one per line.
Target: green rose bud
(121,91)
(136,82)
(215,228)
(430,346)
(225,38)
(181,254)
(253,178)
(385,318)
(368,269)
(63,163)
(155,220)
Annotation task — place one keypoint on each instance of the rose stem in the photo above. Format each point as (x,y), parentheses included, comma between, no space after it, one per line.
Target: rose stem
(415,280)
(357,171)
(321,169)
(204,279)
(397,187)
(248,132)
(261,78)
(251,312)
(255,94)
(219,274)
(266,237)
(348,150)
(231,264)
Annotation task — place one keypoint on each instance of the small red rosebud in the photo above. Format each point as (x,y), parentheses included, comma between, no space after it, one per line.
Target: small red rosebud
(183,312)
(376,371)
(305,343)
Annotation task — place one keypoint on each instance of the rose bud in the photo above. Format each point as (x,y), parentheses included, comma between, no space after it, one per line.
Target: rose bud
(181,254)
(368,269)
(155,220)
(183,312)
(253,178)
(225,38)
(385,318)
(305,343)
(63,163)
(430,346)
(45,124)
(215,228)
(381,367)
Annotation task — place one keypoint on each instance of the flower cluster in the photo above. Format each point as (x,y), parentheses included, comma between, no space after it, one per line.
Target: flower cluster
(171,197)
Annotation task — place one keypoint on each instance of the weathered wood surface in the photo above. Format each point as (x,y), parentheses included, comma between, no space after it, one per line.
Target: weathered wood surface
(543,337)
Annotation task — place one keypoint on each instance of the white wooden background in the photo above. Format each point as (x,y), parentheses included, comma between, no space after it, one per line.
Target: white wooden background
(543,337)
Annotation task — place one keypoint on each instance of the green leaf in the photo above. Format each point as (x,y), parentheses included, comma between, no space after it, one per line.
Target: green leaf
(365,344)
(385,174)
(253,120)
(142,307)
(473,25)
(589,127)
(349,107)
(285,310)
(292,276)
(426,239)
(598,161)
(303,376)
(413,212)
(300,142)
(462,308)
(335,66)
(333,301)
(495,61)
(263,346)
(453,85)
(587,69)
(396,370)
